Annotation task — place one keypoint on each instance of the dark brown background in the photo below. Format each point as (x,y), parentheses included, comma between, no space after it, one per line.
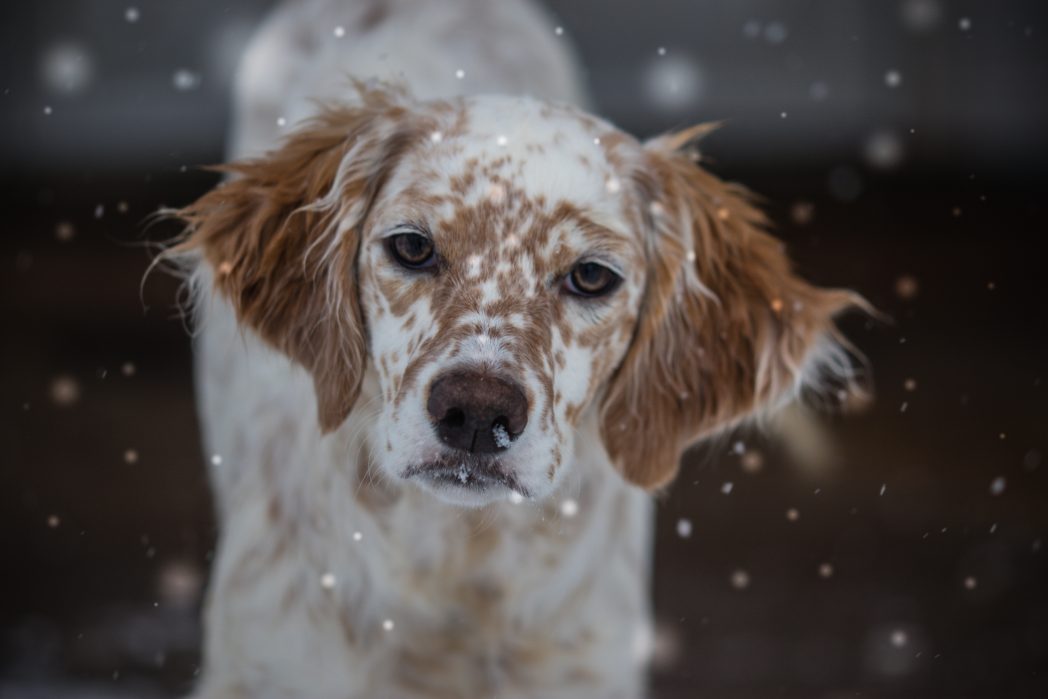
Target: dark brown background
(938,586)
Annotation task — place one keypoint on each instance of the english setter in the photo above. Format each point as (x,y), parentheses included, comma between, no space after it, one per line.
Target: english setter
(450,339)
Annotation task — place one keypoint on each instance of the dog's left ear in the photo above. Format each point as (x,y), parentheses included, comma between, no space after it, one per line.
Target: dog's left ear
(726,329)
(281,238)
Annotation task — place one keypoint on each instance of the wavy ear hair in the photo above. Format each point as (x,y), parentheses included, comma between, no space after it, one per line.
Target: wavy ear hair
(726,330)
(282,237)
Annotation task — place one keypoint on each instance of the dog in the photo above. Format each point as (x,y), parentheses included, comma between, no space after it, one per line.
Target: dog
(451,336)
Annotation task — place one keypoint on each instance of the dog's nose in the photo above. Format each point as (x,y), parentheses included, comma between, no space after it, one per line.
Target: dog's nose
(477,412)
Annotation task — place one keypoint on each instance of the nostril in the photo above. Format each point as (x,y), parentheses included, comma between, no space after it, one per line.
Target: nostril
(454,418)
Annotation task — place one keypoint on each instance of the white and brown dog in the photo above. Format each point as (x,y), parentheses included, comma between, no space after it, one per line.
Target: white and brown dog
(448,344)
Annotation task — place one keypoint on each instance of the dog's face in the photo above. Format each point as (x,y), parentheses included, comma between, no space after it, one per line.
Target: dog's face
(501,272)
(509,268)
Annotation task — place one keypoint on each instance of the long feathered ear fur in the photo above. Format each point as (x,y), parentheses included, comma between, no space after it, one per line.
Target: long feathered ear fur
(727,330)
(281,238)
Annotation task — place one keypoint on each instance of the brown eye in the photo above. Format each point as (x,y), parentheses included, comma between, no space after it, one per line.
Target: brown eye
(591,279)
(412,250)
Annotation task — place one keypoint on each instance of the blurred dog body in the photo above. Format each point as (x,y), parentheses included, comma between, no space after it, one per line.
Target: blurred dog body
(404,268)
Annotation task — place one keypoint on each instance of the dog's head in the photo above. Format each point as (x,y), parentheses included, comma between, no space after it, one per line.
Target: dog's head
(513,270)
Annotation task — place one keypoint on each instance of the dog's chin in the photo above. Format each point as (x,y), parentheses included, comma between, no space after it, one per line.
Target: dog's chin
(467,481)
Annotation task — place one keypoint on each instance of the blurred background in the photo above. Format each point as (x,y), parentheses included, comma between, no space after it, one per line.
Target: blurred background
(901,148)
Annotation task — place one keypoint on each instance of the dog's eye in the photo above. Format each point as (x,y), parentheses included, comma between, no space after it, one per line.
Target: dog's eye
(591,279)
(412,250)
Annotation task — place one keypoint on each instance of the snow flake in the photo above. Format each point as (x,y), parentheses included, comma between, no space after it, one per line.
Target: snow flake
(65,391)
(793,514)
(775,32)
(970,583)
(47,110)
(740,579)
(818,91)
(612,185)
(674,83)
(690,256)
(884,488)
(131,15)
(727,487)
(436,137)
(883,150)
(185,80)
(899,638)
(501,436)
(752,461)
(460,74)
(826,570)
(906,287)
(65,231)
(462,474)
(131,456)
(387,625)
(216,459)
(339,31)
(569,507)
(357,536)
(559,31)
(997,486)
(67,67)
(53,521)
(328,581)
(921,15)
(684,528)
(281,122)
(964,24)
(501,140)
(516,498)
(893,78)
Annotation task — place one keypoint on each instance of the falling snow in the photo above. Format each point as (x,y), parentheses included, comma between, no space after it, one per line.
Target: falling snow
(684,528)
(185,80)
(501,436)
(569,507)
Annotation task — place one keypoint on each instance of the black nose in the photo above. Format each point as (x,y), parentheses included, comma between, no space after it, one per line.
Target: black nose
(476,412)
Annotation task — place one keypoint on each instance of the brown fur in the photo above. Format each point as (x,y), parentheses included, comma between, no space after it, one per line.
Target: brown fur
(699,363)
(269,248)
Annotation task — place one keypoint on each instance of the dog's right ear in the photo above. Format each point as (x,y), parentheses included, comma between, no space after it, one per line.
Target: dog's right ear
(281,238)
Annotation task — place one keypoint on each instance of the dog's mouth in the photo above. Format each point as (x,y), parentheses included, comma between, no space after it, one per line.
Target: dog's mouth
(469,472)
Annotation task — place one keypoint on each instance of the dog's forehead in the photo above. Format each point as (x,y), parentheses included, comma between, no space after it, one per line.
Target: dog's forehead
(546,153)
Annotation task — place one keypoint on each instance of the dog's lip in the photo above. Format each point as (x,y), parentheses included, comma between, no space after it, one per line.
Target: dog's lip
(467,472)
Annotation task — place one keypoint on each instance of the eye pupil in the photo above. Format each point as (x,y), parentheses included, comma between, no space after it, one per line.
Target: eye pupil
(412,250)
